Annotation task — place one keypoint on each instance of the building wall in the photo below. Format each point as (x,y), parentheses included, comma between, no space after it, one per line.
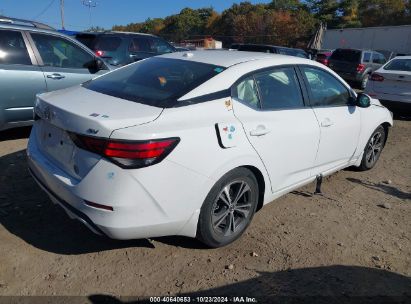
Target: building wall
(390,38)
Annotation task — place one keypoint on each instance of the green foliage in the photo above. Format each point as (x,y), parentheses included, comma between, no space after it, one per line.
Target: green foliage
(284,22)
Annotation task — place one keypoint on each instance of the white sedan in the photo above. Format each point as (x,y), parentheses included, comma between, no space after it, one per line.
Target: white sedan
(392,82)
(195,143)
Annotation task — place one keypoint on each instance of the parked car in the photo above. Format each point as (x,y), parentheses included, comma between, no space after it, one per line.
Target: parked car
(324,57)
(194,143)
(272,49)
(35,59)
(356,65)
(121,48)
(392,82)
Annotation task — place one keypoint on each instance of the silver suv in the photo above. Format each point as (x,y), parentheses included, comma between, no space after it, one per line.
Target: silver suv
(34,58)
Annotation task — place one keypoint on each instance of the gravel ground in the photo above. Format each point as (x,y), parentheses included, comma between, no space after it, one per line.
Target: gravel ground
(352,241)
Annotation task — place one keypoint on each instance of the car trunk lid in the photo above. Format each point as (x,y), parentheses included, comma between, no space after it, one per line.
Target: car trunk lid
(85,112)
(395,82)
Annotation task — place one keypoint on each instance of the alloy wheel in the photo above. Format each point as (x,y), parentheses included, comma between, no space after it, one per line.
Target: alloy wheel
(232,208)
(374,149)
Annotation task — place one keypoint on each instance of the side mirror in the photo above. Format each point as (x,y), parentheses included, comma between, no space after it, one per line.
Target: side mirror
(363,100)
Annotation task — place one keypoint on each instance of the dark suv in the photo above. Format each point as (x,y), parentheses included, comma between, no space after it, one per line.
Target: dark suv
(121,48)
(356,65)
(270,49)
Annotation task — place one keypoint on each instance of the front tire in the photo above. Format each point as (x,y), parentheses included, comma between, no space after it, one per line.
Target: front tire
(372,150)
(228,209)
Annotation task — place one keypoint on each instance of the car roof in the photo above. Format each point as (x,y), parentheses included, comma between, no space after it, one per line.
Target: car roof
(358,50)
(270,46)
(115,33)
(226,58)
(402,57)
(27,28)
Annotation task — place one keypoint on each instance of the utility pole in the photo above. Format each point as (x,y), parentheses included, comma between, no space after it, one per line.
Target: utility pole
(90,4)
(62,13)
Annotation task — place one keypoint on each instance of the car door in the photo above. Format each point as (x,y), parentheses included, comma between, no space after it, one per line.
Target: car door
(63,62)
(20,78)
(282,130)
(338,120)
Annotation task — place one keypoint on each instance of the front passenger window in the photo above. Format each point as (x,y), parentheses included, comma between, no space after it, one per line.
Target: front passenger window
(325,89)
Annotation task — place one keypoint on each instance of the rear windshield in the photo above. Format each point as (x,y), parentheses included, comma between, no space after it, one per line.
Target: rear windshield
(399,65)
(100,42)
(293,52)
(347,55)
(157,82)
(255,48)
(86,39)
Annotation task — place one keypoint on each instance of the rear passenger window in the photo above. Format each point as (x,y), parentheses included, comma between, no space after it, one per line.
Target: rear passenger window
(246,91)
(367,57)
(378,58)
(279,89)
(325,89)
(140,44)
(13,49)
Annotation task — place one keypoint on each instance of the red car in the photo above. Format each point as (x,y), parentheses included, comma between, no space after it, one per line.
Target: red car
(324,57)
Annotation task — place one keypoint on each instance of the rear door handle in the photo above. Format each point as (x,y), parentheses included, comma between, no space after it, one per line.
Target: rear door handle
(259,131)
(327,123)
(55,76)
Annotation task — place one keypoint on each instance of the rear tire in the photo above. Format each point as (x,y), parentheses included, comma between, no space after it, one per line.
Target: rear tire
(228,208)
(373,149)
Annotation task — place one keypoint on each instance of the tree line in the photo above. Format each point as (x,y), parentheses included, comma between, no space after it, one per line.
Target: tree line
(281,22)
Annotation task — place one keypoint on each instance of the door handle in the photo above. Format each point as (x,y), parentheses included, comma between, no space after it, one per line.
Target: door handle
(326,123)
(55,76)
(259,131)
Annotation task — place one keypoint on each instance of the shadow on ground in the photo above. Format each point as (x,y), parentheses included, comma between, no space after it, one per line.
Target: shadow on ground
(27,212)
(387,189)
(331,284)
(17,133)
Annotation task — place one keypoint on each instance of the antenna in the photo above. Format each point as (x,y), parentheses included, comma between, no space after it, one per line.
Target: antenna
(90,4)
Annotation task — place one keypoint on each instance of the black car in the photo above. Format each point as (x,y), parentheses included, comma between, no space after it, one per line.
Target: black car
(121,48)
(271,49)
(356,65)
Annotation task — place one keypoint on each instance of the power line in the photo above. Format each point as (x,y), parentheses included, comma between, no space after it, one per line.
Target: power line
(45,9)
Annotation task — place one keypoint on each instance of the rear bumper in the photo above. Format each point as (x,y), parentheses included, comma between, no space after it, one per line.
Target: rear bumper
(143,203)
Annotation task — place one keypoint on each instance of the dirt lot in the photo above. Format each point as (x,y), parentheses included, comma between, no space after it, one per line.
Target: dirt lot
(344,243)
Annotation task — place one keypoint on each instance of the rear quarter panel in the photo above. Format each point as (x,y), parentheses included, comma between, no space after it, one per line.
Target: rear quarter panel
(198,151)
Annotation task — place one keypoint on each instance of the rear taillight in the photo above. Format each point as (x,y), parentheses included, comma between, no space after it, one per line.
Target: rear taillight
(376,77)
(125,153)
(99,53)
(326,62)
(360,67)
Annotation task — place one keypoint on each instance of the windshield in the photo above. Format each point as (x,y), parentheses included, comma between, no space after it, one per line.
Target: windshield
(399,65)
(157,82)
(347,55)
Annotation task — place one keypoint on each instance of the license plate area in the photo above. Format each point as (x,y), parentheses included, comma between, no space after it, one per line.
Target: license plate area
(55,143)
